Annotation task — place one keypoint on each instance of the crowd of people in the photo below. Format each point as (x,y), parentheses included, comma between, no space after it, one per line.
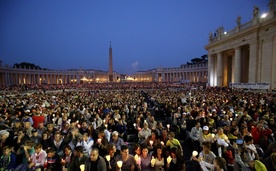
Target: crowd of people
(136,127)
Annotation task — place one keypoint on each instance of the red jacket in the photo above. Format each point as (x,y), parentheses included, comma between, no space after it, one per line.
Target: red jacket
(257,134)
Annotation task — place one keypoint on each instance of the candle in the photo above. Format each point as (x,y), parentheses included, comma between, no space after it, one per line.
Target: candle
(139,161)
(99,140)
(213,135)
(168,126)
(152,161)
(107,157)
(120,164)
(151,142)
(169,159)
(162,143)
(82,167)
(136,158)
(195,153)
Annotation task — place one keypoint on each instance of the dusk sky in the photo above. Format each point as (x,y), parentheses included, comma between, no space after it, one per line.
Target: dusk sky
(145,34)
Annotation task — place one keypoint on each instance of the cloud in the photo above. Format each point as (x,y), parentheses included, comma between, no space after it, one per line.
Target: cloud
(135,65)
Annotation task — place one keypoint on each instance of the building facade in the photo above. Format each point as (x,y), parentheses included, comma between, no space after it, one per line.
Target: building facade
(17,76)
(246,54)
(185,73)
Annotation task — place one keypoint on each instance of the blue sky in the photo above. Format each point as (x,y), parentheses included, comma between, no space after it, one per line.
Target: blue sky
(145,34)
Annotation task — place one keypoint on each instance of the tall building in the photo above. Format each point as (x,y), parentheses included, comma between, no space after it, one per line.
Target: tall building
(245,55)
(110,65)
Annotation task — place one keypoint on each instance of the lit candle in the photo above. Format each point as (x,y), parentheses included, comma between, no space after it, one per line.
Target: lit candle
(162,143)
(107,157)
(195,153)
(82,167)
(99,140)
(120,164)
(152,161)
(151,142)
(169,159)
(136,158)
(139,161)
(168,126)
(213,135)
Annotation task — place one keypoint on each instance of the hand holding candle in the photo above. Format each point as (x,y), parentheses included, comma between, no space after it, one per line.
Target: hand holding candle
(99,141)
(162,143)
(169,159)
(82,167)
(153,160)
(107,158)
(119,164)
(195,153)
(151,142)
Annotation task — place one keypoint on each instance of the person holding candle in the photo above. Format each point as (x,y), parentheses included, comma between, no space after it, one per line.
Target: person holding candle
(101,143)
(127,160)
(95,162)
(159,159)
(206,154)
(111,157)
(144,161)
(219,164)
(79,159)
(67,157)
(175,161)
(53,162)
(152,141)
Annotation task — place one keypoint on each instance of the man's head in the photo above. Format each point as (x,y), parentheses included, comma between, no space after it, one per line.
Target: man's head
(248,139)
(124,151)
(50,152)
(115,135)
(78,151)
(4,134)
(7,150)
(94,155)
(38,148)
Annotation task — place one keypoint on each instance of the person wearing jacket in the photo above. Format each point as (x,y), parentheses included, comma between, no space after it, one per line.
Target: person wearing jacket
(8,159)
(95,162)
(79,159)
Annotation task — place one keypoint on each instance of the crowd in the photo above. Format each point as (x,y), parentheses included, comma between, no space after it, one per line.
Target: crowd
(136,127)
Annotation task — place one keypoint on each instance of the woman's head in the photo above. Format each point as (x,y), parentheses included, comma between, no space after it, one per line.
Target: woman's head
(206,146)
(137,149)
(145,151)
(220,162)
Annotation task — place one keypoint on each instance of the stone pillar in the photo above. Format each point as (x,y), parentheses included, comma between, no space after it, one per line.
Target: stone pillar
(237,65)
(210,70)
(219,69)
(253,69)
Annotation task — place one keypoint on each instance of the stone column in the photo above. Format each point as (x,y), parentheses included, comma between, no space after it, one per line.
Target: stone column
(253,69)
(210,70)
(219,69)
(237,65)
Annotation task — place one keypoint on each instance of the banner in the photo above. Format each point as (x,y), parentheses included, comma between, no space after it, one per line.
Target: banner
(263,86)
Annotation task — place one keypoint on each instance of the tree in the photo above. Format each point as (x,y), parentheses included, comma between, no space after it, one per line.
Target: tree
(26,65)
